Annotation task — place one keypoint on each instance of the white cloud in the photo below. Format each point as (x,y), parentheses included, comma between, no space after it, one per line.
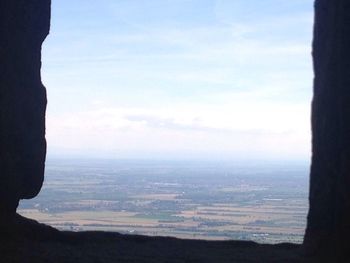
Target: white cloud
(247,126)
(227,86)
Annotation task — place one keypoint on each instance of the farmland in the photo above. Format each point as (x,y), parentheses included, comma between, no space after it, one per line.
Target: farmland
(265,202)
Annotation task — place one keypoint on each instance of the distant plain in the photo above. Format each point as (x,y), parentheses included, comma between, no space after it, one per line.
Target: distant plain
(260,201)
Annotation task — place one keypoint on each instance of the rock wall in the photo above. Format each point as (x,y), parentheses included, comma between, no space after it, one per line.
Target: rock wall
(328,225)
(23,27)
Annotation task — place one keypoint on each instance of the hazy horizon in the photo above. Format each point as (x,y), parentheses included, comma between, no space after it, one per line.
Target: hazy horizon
(260,201)
(210,159)
(211,79)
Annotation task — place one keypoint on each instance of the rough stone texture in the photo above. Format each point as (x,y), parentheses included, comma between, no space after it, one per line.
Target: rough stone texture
(328,226)
(23,27)
(114,247)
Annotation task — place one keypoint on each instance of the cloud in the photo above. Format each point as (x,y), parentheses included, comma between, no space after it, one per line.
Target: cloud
(155,122)
(180,77)
(181,130)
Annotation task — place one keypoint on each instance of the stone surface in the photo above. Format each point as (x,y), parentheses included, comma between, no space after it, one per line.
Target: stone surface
(328,227)
(114,247)
(23,27)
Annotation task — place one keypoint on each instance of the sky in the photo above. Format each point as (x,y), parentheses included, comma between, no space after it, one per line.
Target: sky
(182,79)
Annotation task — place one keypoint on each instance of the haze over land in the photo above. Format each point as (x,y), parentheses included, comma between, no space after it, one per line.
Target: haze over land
(262,201)
(179,79)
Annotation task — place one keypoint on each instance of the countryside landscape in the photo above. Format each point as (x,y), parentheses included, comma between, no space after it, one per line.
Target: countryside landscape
(212,200)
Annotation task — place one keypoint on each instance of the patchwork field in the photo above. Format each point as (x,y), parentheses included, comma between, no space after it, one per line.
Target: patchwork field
(181,200)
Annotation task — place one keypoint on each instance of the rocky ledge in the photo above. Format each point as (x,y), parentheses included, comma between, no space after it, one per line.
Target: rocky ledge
(34,242)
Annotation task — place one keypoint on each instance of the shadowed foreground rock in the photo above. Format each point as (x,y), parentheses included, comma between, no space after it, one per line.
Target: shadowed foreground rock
(112,247)
(328,228)
(23,27)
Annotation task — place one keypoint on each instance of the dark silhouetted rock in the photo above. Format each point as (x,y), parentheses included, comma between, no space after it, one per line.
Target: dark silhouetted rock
(23,27)
(328,228)
(114,247)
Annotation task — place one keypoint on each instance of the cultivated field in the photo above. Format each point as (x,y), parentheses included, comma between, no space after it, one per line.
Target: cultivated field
(173,199)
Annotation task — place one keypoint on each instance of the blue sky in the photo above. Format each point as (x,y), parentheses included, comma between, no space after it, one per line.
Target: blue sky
(179,79)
